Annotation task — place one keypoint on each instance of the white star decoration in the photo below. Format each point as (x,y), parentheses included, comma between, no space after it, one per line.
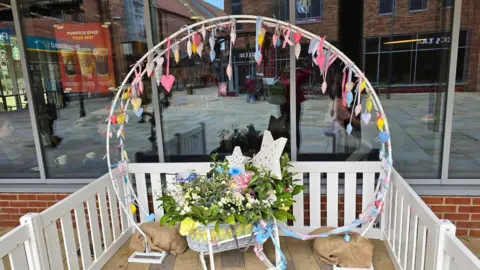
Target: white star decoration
(270,153)
(237,160)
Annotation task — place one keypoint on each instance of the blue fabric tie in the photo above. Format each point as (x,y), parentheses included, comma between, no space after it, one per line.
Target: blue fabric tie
(262,235)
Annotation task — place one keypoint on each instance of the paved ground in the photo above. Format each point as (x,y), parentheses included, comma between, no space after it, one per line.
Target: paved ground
(416,147)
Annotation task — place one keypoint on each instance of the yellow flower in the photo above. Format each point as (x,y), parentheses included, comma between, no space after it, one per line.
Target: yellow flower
(187,225)
(285,208)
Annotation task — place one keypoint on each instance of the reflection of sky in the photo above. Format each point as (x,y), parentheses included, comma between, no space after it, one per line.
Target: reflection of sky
(217,3)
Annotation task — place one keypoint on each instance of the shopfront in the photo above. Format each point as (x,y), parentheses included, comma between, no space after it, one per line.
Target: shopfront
(62,60)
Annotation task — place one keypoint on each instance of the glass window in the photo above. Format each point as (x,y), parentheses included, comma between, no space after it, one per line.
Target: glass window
(75,70)
(18,158)
(371,44)
(447,3)
(237,10)
(280,9)
(431,68)
(309,11)
(385,6)
(417,5)
(464,159)
(206,112)
(371,67)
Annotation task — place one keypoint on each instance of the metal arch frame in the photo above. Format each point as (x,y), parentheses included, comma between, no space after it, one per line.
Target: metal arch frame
(270,22)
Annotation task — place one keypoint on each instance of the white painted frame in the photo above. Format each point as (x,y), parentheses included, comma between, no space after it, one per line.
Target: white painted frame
(35,243)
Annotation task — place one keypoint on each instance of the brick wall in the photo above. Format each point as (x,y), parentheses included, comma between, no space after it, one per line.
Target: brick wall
(463,211)
(327,27)
(434,19)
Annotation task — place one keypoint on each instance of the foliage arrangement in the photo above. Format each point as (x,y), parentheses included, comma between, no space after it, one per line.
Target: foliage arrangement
(228,195)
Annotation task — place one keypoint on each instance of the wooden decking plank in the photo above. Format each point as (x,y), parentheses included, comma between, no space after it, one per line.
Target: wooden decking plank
(120,259)
(167,264)
(232,259)
(301,254)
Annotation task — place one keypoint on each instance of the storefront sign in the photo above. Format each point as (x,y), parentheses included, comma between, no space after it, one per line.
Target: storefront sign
(85,57)
(434,40)
(246,55)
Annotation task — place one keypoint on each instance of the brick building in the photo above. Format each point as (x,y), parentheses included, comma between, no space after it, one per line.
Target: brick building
(429,23)
(423,32)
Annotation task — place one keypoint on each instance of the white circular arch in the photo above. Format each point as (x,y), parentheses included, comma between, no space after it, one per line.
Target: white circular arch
(179,36)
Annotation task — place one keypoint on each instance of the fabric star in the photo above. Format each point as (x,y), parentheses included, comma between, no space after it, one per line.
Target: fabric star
(270,153)
(237,160)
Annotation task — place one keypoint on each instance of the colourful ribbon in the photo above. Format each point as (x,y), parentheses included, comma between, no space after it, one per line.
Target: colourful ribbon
(286,35)
(263,231)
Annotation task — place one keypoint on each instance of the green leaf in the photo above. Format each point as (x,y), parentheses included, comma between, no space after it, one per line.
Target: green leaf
(286,214)
(214,209)
(217,226)
(164,219)
(230,220)
(241,218)
(280,215)
(297,189)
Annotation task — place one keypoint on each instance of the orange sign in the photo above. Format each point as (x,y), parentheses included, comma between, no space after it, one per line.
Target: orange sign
(86,63)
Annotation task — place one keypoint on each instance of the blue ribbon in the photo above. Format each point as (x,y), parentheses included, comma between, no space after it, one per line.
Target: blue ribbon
(262,236)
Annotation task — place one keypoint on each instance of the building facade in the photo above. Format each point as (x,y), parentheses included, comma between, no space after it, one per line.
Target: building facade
(62,61)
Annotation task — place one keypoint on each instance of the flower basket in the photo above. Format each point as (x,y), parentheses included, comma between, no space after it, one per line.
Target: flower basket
(223,239)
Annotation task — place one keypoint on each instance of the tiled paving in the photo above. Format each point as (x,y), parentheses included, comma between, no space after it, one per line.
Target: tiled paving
(416,146)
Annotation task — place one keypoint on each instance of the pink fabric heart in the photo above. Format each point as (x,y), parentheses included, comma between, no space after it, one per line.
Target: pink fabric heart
(197,39)
(113,119)
(320,60)
(297,36)
(167,82)
(358,109)
(379,204)
(324,87)
(229,71)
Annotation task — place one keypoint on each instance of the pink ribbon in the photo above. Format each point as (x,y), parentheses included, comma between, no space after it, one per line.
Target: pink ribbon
(344,100)
(286,35)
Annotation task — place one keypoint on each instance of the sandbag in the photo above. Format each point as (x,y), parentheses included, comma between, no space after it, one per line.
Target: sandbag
(334,250)
(160,238)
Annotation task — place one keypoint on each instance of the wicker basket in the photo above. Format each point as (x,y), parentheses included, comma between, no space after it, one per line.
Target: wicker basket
(222,240)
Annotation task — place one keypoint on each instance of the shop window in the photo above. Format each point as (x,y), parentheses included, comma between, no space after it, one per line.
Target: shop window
(401,67)
(371,45)
(385,6)
(416,5)
(280,9)
(430,66)
(309,11)
(371,64)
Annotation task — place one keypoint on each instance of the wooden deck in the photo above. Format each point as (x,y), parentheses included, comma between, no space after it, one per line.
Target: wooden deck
(298,253)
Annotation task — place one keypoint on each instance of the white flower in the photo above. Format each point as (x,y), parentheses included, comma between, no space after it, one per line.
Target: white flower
(194,196)
(187,209)
(249,205)
(220,204)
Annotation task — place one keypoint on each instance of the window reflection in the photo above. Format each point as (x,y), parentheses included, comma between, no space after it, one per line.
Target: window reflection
(17,148)
(78,52)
